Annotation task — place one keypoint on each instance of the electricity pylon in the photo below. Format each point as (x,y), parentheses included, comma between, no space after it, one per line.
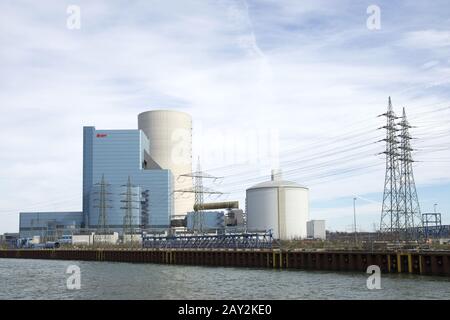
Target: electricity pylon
(410,215)
(199,191)
(102,225)
(128,207)
(389,212)
(400,214)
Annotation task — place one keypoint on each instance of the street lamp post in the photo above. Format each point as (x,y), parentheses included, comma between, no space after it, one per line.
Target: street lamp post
(354,219)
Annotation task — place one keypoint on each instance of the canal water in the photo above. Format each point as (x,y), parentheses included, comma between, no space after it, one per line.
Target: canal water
(47,279)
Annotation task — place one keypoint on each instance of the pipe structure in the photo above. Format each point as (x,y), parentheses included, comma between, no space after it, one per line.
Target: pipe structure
(217,205)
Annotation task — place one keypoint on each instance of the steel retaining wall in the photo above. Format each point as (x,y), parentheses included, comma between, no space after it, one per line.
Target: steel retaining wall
(424,263)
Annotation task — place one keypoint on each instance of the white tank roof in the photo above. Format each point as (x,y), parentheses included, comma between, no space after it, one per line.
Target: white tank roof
(277,182)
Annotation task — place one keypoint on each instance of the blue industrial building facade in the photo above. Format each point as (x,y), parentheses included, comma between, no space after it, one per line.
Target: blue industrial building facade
(210,220)
(115,156)
(49,223)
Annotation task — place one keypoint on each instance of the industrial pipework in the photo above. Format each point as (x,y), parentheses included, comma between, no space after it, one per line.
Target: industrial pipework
(217,205)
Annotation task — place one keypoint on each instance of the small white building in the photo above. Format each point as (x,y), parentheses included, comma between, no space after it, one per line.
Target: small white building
(132,238)
(36,240)
(91,239)
(316,229)
(83,239)
(106,238)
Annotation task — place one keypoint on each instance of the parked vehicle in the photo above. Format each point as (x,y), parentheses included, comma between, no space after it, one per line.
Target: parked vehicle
(26,243)
(51,245)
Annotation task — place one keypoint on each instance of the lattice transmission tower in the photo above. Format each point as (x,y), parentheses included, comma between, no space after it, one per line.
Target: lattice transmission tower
(400,214)
(199,191)
(389,211)
(129,202)
(410,215)
(103,206)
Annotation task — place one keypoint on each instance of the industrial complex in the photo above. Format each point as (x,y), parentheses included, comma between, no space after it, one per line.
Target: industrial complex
(132,182)
(143,202)
(139,186)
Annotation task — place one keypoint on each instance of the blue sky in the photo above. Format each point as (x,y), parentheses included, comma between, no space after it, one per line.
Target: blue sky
(304,80)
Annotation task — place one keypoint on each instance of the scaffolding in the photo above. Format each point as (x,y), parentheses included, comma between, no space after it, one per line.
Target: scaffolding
(145,209)
(432,225)
(256,240)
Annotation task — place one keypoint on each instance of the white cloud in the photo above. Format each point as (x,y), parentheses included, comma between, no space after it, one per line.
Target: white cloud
(430,64)
(427,39)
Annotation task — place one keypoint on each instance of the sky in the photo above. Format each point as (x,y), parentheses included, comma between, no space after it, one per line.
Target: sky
(292,84)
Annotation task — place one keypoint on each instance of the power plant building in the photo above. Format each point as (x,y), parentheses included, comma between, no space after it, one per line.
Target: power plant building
(115,156)
(49,223)
(131,179)
(211,220)
(151,158)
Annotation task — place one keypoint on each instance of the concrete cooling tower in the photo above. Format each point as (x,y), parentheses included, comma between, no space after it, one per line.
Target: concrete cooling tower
(170,136)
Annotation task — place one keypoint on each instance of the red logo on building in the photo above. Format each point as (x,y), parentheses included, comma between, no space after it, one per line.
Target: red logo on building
(101,135)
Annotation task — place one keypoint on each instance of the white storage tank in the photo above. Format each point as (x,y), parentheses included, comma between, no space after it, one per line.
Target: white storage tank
(279,205)
(170,137)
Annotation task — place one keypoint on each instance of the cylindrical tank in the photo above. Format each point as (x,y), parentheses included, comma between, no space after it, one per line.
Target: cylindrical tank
(217,205)
(170,137)
(279,205)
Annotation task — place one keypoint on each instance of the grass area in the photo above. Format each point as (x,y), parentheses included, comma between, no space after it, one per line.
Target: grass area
(320,244)
(351,245)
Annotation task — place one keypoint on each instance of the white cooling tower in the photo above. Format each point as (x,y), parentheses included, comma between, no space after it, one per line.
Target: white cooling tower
(170,136)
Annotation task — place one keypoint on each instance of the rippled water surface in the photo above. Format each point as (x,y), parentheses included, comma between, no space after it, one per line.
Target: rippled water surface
(46,279)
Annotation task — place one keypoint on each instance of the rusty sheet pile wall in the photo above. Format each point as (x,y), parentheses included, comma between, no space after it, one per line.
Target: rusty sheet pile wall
(426,263)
